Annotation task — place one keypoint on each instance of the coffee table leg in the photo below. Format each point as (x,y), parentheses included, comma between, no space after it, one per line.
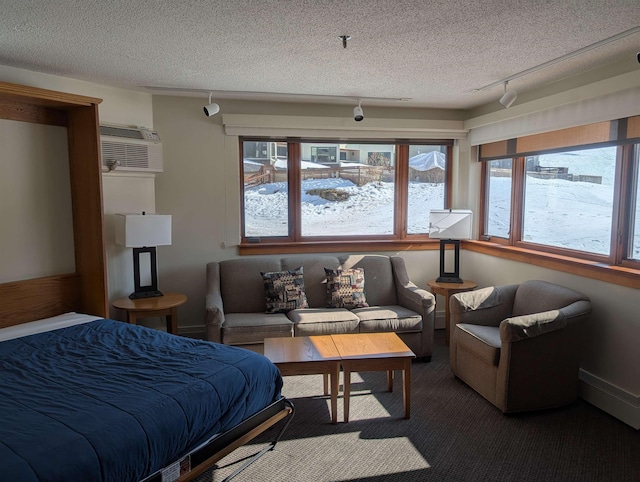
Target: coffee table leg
(390,381)
(406,387)
(335,381)
(346,373)
(325,381)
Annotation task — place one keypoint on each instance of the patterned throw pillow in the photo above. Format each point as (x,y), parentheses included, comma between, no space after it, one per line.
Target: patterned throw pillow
(345,288)
(284,290)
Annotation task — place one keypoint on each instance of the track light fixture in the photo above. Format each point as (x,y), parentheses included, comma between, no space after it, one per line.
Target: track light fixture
(211,108)
(358,115)
(509,96)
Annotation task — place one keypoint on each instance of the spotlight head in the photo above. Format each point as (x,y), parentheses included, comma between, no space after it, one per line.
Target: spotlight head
(211,109)
(358,115)
(638,57)
(509,97)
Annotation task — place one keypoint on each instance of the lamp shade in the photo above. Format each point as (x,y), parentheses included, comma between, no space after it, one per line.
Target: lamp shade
(143,230)
(450,224)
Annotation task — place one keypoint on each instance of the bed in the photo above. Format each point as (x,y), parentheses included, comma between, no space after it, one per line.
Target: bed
(98,399)
(49,356)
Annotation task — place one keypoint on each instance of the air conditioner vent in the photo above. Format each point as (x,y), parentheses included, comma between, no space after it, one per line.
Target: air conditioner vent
(130,149)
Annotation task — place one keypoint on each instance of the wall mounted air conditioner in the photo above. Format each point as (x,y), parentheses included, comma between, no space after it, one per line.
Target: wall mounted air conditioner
(130,149)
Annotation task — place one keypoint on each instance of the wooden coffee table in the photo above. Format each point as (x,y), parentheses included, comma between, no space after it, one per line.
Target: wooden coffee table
(307,355)
(311,355)
(369,352)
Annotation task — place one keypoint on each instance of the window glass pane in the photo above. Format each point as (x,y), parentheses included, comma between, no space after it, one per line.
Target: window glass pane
(264,167)
(349,197)
(427,175)
(498,197)
(569,199)
(635,235)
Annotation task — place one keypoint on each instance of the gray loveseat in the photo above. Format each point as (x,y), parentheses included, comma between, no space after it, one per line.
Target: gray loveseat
(235,302)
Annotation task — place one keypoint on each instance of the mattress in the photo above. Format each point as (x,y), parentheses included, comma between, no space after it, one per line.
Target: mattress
(106,401)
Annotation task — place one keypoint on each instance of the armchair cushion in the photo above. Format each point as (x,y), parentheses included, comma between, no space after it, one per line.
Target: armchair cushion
(527,326)
(482,341)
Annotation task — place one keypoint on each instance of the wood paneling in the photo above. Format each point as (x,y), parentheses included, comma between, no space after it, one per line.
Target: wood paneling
(494,150)
(28,300)
(86,290)
(574,136)
(20,111)
(633,127)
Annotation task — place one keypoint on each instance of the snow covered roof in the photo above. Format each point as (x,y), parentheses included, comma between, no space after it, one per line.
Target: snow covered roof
(427,161)
(282,164)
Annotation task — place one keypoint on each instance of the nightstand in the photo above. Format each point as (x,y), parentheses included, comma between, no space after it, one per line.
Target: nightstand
(446,290)
(166,306)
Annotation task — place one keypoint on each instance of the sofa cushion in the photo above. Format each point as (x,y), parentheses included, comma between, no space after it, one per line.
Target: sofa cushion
(388,318)
(314,275)
(323,321)
(378,276)
(345,288)
(284,290)
(483,341)
(241,285)
(248,328)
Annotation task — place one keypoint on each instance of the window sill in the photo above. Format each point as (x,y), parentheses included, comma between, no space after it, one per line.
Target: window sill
(619,275)
(336,246)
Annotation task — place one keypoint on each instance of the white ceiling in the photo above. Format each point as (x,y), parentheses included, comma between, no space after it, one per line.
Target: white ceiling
(434,53)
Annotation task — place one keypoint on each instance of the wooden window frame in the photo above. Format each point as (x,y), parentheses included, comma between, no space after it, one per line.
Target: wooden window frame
(616,267)
(294,242)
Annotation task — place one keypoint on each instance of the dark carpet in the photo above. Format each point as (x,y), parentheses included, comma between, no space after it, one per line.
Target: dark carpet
(453,435)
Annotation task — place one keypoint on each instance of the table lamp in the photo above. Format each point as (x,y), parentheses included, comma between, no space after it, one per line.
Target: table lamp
(143,232)
(450,226)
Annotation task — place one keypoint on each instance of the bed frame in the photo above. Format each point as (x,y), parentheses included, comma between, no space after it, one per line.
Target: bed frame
(85,290)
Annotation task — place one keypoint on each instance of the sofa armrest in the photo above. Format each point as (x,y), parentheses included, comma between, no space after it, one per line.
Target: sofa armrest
(214,308)
(409,295)
(485,306)
(528,326)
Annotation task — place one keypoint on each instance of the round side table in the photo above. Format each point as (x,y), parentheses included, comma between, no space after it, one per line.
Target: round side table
(446,290)
(166,306)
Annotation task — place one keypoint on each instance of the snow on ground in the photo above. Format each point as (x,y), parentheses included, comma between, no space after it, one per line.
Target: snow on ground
(558,212)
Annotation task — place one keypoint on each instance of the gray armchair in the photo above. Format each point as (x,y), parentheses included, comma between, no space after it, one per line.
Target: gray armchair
(519,345)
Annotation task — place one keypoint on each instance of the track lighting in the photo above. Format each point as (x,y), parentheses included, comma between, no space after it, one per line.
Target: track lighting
(509,96)
(358,115)
(211,108)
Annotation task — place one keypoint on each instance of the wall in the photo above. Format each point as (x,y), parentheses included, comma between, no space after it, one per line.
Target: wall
(200,188)
(35,201)
(121,192)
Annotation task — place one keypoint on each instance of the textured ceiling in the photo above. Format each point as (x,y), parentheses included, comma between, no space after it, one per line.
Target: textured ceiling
(434,53)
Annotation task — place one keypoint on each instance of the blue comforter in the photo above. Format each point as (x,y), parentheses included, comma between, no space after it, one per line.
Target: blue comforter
(107,401)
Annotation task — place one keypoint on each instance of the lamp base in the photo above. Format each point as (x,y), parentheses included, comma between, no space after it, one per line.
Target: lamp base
(448,279)
(145,294)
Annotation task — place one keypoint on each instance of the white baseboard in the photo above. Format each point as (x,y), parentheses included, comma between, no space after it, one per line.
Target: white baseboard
(614,400)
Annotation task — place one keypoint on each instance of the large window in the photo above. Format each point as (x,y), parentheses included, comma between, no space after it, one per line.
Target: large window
(635,210)
(331,190)
(266,186)
(499,173)
(426,185)
(572,193)
(351,199)
(568,199)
